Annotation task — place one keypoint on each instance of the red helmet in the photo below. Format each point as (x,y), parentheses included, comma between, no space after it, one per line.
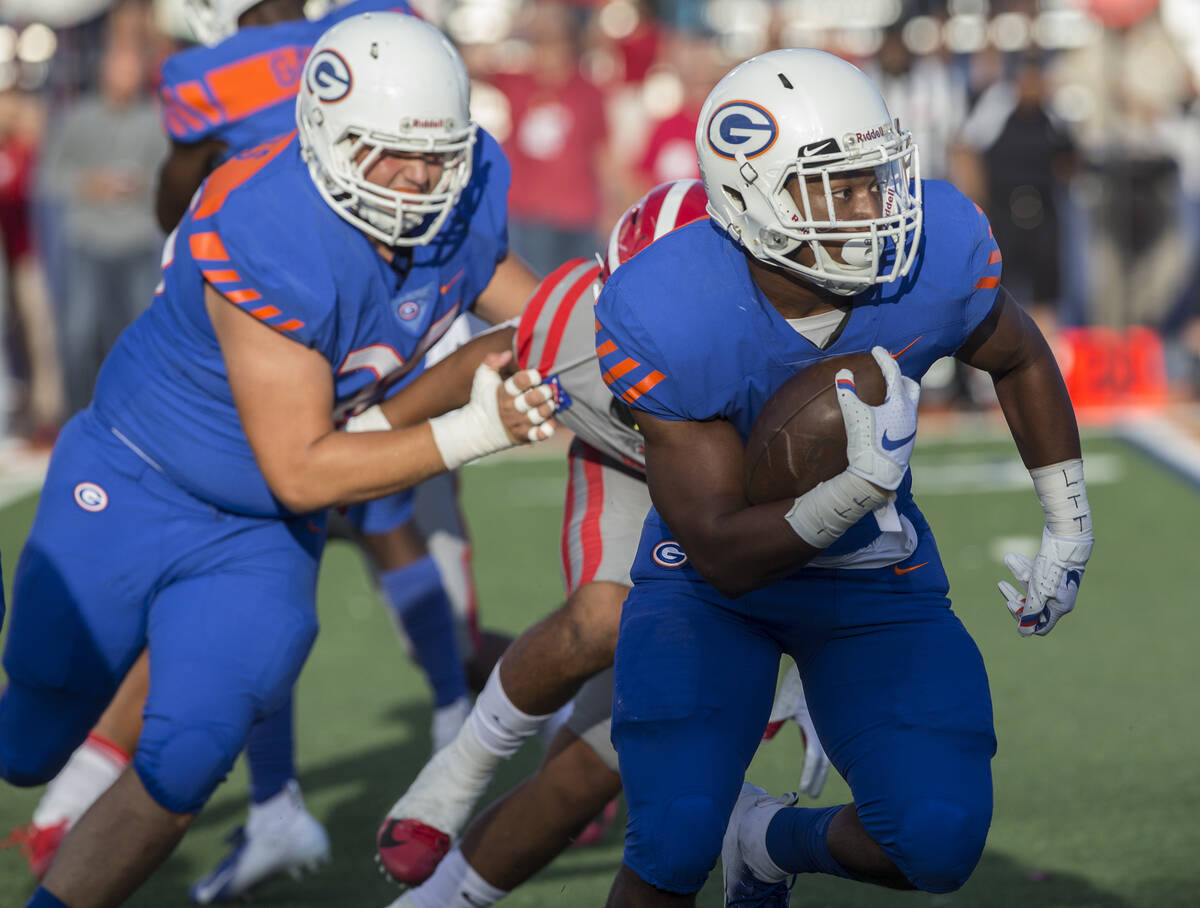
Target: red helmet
(654,215)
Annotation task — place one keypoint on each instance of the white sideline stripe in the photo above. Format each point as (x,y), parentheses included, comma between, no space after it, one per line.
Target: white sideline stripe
(936,476)
(1166,443)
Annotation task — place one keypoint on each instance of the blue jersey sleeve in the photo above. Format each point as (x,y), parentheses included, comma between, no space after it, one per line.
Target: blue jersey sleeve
(982,263)
(631,363)
(271,261)
(492,214)
(251,76)
(354,7)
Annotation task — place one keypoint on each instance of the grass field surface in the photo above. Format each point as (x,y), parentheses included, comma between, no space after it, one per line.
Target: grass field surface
(1097,778)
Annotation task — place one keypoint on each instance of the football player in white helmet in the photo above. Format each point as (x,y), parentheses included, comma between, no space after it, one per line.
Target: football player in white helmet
(344,136)
(827,242)
(769,177)
(212,21)
(223,449)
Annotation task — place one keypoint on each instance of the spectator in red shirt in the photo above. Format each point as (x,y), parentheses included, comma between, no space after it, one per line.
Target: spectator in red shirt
(670,150)
(557,144)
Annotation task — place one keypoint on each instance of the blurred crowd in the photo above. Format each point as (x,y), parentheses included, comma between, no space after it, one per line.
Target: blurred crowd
(1075,124)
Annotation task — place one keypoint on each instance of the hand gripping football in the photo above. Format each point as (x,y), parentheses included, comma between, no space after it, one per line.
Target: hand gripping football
(799,438)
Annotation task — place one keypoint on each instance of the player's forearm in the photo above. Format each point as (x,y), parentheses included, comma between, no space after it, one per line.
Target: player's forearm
(743,548)
(1038,410)
(447,385)
(341,468)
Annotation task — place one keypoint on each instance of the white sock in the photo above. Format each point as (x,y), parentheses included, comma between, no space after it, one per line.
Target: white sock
(277,809)
(455,884)
(499,726)
(752,842)
(89,772)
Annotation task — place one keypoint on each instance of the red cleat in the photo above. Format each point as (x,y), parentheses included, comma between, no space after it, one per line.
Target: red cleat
(38,844)
(409,850)
(596,830)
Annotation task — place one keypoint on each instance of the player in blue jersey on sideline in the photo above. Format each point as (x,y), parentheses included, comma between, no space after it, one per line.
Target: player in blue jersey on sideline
(183,510)
(823,240)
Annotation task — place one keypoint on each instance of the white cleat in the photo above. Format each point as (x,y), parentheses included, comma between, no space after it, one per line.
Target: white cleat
(289,841)
(742,887)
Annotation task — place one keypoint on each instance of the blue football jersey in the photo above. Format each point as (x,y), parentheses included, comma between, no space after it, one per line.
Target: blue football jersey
(260,233)
(683,332)
(243,91)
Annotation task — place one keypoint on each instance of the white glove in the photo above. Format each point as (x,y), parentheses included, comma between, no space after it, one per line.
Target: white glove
(1050,582)
(477,428)
(879,440)
(791,704)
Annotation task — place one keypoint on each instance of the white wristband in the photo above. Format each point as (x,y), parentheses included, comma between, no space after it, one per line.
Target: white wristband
(1061,490)
(369,420)
(822,514)
(474,430)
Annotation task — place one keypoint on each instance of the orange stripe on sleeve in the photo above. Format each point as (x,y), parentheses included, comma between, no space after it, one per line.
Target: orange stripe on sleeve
(994,257)
(624,366)
(221,277)
(606,348)
(234,172)
(208,246)
(642,387)
(192,94)
(290,325)
(248,86)
(243,296)
(264,312)
(986,283)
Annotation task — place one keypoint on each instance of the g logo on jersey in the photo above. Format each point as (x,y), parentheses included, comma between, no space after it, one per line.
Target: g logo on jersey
(91,497)
(329,78)
(669,555)
(409,310)
(741,126)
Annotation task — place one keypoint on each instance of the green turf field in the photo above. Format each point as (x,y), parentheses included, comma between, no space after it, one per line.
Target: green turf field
(1097,776)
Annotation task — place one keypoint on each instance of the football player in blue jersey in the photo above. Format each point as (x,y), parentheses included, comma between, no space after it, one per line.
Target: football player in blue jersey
(237,88)
(183,511)
(234,93)
(823,240)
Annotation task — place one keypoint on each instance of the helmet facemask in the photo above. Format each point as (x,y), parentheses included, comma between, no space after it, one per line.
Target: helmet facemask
(394,217)
(864,243)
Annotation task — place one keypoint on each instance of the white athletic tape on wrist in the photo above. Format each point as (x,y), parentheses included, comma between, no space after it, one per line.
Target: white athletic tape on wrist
(822,514)
(369,420)
(1061,490)
(474,430)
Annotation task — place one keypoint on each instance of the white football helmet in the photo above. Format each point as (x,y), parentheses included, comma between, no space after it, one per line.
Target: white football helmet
(212,21)
(805,113)
(385,82)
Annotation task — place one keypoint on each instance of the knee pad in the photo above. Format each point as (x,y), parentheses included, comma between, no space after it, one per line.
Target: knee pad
(940,843)
(678,855)
(182,766)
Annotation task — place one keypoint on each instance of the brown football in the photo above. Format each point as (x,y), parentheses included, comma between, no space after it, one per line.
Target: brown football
(799,438)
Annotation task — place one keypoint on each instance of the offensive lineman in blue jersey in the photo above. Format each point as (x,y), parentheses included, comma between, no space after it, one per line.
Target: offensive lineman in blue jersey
(182,511)
(234,94)
(823,241)
(239,90)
